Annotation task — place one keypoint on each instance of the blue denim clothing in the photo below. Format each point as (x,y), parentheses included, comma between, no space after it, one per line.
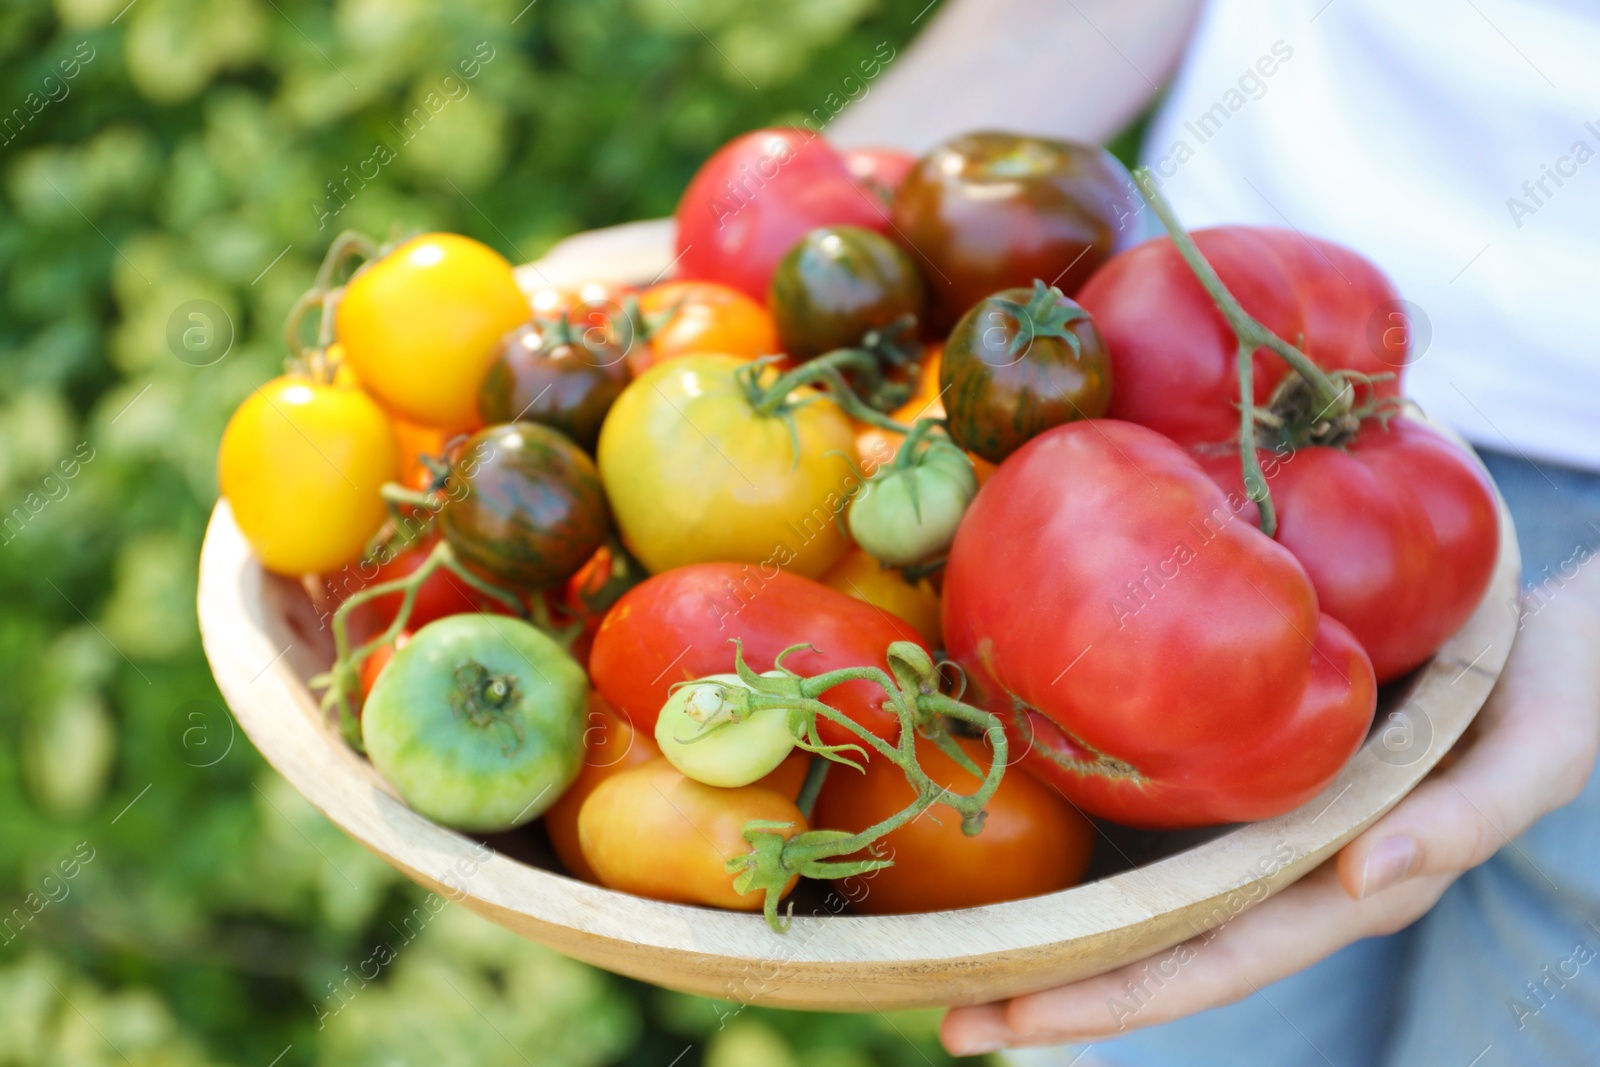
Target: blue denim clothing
(1503,972)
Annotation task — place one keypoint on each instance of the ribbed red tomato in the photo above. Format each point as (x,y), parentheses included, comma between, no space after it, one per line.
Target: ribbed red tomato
(1155,657)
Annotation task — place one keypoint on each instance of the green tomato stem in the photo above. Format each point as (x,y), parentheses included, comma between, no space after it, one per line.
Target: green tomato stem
(816,775)
(912,690)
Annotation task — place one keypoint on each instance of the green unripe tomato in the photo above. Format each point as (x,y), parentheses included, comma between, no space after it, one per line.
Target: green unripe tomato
(700,734)
(477,722)
(908,515)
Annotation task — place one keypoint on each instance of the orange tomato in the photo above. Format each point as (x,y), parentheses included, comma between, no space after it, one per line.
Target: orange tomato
(875,446)
(705,318)
(611,746)
(416,441)
(655,833)
(861,576)
(1032,842)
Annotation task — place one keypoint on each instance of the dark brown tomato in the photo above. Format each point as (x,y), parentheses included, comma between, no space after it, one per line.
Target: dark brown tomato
(561,373)
(837,283)
(527,506)
(1018,363)
(988,211)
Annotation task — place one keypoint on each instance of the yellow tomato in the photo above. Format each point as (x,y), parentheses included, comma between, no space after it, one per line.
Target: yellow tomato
(302,464)
(861,576)
(695,474)
(420,326)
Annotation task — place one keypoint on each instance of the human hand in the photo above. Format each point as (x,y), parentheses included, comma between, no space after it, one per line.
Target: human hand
(1536,744)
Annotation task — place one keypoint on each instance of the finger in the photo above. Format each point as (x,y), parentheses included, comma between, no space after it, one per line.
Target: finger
(1301,925)
(1536,746)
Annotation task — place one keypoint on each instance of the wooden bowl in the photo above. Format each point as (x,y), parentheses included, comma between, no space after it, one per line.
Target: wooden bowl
(264,640)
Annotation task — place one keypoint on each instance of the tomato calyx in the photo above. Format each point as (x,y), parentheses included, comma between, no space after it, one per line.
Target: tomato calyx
(487,700)
(1324,407)
(1043,316)
(343,680)
(913,686)
(1292,419)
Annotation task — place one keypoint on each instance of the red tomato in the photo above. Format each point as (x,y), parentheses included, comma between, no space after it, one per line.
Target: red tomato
(1172,354)
(374,664)
(704,318)
(441,594)
(679,625)
(879,169)
(1158,659)
(756,196)
(1032,842)
(1398,530)
(1407,567)
(611,746)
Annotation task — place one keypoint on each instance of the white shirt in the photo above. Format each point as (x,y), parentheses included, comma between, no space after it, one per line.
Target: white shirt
(1456,143)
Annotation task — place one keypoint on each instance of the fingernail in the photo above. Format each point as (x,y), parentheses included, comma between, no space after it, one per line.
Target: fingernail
(1390,862)
(980,1040)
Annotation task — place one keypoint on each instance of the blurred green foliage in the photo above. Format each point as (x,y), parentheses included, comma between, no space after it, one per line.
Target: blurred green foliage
(159,152)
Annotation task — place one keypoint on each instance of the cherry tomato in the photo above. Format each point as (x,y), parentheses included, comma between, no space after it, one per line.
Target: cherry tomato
(679,626)
(837,283)
(302,464)
(756,196)
(697,318)
(592,303)
(906,516)
(699,735)
(420,325)
(882,170)
(655,833)
(861,576)
(477,722)
(1020,362)
(695,473)
(557,373)
(1033,842)
(611,746)
(990,211)
(1101,580)
(532,512)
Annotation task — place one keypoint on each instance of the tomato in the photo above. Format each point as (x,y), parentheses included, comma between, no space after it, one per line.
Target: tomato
(697,318)
(374,664)
(861,576)
(477,722)
(1033,841)
(611,746)
(1407,567)
(1021,361)
(990,211)
(679,626)
(655,833)
(1398,529)
(557,373)
(756,196)
(416,441)
(440,594)
(420,325)
(908,515)
(882,170)
(695,473)
(532,511)
(1157,659)
(837,283)
(303,464)
(699,735)
(591,304)
(1172,354)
